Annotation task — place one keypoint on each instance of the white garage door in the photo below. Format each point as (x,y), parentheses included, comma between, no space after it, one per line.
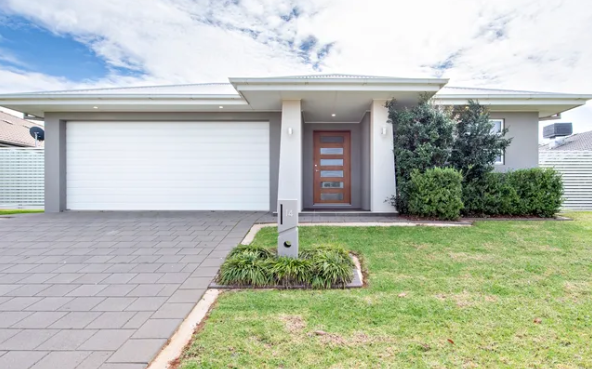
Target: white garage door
(167,165)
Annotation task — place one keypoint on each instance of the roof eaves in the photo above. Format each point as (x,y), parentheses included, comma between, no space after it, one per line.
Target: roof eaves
(336,80)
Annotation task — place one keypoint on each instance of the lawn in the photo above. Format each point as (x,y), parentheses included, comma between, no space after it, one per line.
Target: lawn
(19,211)
(498,295)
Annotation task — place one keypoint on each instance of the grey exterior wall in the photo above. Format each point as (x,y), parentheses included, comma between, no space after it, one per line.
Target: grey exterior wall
(308,162)
(55,164)
(523,152)
(365,157)
(56,145)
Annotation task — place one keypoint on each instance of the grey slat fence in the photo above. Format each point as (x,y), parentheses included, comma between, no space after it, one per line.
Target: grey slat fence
(576,169)
(21,178)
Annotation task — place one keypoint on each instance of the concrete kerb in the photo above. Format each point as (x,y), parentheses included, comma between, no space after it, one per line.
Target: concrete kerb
(182,337)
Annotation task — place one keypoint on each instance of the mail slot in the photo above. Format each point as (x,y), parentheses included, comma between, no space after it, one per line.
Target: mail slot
(288,228)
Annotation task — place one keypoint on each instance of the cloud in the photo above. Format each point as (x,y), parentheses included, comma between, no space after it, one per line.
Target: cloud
(520,44)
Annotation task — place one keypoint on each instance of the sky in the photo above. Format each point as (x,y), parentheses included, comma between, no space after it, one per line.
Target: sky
(540,45)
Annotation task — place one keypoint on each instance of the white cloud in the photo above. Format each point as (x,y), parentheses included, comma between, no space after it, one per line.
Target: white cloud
(519,44)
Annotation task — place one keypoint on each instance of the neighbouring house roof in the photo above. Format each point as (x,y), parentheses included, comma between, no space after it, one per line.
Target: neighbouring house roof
(576,142)
(14,131)
(266,94)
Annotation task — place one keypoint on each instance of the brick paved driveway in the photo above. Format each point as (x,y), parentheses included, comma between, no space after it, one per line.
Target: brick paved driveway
(90,290)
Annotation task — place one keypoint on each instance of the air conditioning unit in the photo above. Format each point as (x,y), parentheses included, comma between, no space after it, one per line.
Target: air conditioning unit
(558,130)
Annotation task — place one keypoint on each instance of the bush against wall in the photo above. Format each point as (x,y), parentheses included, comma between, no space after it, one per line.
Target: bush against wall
(436,193)
(476,147)
(526,192)
(422,140)
(427,137)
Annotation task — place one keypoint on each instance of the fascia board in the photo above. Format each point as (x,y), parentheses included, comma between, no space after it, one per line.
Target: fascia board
(272,81)
(338,88)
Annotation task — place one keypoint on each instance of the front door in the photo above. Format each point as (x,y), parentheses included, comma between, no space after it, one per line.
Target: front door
(332,167)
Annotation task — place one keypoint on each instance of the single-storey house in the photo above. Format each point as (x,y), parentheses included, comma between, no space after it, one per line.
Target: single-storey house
(323,140)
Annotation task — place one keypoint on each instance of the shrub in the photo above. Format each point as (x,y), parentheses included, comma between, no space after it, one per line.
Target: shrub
(524,192)
(422,139)
(492,195)
(289,271)
(476,147)
(540,191)
(245,269)
(436,193)
(330,269)
(338,250)
(259,250)
(320,267)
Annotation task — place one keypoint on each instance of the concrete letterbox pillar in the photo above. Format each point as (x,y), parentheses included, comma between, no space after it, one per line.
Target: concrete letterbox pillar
(288,228)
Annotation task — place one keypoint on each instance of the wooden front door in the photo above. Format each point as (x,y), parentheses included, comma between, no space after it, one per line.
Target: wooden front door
(332,167)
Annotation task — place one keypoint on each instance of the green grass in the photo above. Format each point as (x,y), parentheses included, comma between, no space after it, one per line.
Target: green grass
(437,298)
(19,211)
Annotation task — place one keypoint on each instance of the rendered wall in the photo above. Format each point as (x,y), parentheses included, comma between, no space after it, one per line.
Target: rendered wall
(523,152)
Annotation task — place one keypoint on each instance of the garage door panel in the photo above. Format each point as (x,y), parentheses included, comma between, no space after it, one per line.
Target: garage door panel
(186,162)
(168,205)
(167,165)
(218,183)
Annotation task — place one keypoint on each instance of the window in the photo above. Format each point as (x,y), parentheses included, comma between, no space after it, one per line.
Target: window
(498,126)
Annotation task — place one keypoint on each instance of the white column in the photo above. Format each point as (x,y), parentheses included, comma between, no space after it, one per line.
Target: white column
(382,171)
(290,172)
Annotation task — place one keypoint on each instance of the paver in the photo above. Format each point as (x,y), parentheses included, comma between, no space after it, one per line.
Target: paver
(107,340)
(20,359)
(61,360)
(158,328)
(105,290)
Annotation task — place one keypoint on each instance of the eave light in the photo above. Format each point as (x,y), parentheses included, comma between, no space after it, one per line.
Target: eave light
(333,115)
(221,107)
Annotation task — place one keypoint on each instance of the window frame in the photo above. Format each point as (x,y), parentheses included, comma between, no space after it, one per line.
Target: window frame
(502,126)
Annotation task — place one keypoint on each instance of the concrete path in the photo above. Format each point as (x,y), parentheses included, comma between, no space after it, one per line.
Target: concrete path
(105,290)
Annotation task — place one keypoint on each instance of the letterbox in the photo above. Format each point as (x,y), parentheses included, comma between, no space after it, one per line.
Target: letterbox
(288,228)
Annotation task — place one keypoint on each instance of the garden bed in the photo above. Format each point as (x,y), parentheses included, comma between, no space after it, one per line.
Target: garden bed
(321,267)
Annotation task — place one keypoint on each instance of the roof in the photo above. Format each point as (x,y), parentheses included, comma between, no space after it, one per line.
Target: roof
(14,131)
(576,142)
(266,94)
(490,92)
(185,89)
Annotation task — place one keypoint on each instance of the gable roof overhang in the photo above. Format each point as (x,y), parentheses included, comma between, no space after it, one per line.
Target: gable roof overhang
(348,97)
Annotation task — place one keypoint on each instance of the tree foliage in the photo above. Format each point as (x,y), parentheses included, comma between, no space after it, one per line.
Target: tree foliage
(475,147)
(423,137)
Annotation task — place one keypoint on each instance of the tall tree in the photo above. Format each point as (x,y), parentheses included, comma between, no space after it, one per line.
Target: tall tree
(476,147)
(423,137)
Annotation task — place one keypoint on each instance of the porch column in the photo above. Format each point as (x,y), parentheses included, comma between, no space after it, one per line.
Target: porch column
(55,165)
(290,172)
(382,170)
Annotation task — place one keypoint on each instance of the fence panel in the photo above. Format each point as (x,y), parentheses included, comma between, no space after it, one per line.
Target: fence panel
(22,179)
(576,168)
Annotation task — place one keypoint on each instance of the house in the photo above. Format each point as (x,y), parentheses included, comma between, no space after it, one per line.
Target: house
(572,157)
(14,132)
(322,139)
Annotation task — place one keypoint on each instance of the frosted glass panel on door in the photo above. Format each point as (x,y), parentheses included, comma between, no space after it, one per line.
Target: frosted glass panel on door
(332,173)
(332,196)
(331,184)
(331,162)
(331,150)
